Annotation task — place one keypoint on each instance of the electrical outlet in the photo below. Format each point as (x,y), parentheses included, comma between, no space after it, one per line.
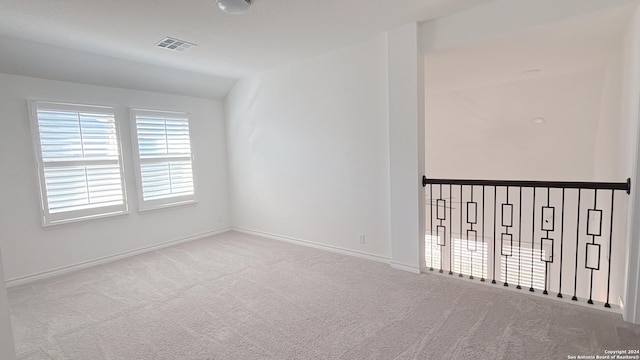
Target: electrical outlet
(361,239)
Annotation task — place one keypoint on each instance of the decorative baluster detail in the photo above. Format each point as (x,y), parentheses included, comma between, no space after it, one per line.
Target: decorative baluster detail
(441,229)
(543,255)
(507,222)
(548,220)
(593,216)
(472,219)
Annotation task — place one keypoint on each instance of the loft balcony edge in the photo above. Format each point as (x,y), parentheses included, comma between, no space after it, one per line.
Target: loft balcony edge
(626,186)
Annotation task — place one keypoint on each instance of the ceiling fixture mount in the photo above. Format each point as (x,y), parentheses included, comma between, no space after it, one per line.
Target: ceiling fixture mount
(235,7)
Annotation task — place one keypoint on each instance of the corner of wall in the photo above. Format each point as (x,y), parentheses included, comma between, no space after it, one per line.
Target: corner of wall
(406,154)
(630,113)
(7,350)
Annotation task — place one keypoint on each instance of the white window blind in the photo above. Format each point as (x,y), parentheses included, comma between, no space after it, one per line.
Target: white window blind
(165,169)
(79,161)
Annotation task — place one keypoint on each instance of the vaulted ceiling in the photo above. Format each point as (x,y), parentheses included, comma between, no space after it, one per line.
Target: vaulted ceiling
(113,42)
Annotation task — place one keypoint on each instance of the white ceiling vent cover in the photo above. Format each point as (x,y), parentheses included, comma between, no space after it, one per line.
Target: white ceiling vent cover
(175,44)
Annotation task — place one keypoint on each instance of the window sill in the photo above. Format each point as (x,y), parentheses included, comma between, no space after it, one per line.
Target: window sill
(145,210)
(83,220)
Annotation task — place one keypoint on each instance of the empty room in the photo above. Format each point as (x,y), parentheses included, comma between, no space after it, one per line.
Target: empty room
(327,179)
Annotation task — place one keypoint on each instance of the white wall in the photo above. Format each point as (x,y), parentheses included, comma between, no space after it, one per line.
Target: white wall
(308,150)
(406,145)
(29,249)
(7,349)
(486,132)
(631,162)
(611,161)
(608,155)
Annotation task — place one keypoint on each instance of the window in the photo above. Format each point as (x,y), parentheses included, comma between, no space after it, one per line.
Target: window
(164,159)
(79,161)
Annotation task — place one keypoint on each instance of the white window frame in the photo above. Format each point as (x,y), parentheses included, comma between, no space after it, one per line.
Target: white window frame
(167,202)
(64,217)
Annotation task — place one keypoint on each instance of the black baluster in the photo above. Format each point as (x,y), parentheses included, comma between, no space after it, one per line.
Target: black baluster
(610,243)
(546,263)
(593,241)
(450,229)
(519,234)
(482,274)
(506,260)
(533,236)
(575,275)
(460,240)
(495,191)
(546,274)
(444,233)
(431,223)
(561,246)
(475,215)
(441,242)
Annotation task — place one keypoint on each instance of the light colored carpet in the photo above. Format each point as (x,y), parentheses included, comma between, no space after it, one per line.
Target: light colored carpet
(235,296)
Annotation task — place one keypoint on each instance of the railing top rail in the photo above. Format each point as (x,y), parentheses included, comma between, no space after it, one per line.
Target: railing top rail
(626,186)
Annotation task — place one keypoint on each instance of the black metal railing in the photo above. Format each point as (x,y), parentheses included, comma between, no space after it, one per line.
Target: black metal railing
(530,234)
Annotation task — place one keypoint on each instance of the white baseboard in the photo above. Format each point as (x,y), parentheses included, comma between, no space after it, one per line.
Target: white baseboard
(107,259)
(335,249)
(405,267)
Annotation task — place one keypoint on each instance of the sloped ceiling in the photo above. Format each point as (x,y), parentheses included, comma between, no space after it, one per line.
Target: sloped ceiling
(56,63)
(53,39)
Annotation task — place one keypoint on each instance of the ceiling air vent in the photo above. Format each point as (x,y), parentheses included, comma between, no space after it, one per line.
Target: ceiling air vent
(174,44)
